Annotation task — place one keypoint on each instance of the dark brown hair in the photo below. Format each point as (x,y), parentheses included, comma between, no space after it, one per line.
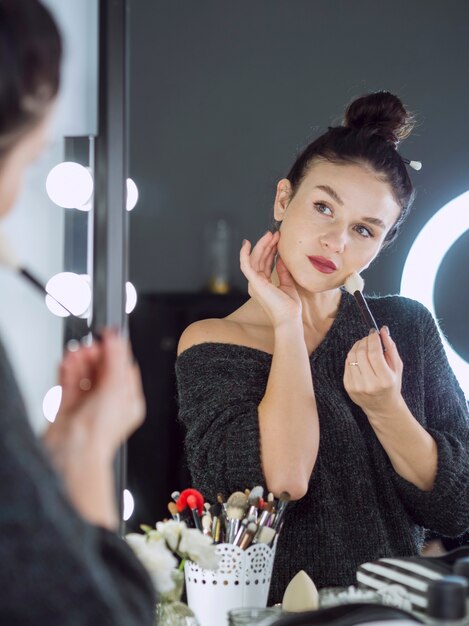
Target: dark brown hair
(373,126)
(30,57)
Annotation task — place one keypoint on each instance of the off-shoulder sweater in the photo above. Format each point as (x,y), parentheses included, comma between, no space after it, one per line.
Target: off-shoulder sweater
(357,507)
(56,568)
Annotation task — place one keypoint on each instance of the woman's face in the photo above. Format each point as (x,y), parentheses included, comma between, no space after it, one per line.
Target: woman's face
(334,225)
(17,160)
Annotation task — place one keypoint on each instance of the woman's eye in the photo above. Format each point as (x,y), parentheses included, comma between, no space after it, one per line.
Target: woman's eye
(364,231)
(322,208)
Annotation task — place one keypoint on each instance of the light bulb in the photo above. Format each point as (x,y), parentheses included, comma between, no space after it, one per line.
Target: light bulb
(131,297)
(132,194)
(51,403)
(70,185)
(129,504)
(71,290)
(85,315)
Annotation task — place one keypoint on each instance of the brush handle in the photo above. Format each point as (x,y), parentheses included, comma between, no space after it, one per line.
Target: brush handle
(242,527)
(246,539)
(232,526)
(365,311)
(37,283)
(280,513)
(196,519)
(366,314)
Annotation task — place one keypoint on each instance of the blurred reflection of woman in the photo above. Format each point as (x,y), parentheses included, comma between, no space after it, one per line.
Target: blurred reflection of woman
(291,392)
(62,562)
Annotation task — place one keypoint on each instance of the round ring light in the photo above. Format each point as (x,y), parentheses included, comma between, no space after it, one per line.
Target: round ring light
(429,249)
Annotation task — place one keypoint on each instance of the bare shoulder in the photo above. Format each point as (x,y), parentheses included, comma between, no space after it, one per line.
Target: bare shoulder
(210,330)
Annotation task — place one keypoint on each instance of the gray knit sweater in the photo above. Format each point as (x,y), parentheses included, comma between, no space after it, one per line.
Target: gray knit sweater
(56,569)
(357,507)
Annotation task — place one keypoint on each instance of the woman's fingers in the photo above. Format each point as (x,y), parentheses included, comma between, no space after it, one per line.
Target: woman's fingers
(254,263)
(284,275)
(270,252)
(261,251)
(391,355)
(372,377)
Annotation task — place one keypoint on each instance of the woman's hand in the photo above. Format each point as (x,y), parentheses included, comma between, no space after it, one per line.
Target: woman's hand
(282,303)
(373,378)
(102,404)
(102,398)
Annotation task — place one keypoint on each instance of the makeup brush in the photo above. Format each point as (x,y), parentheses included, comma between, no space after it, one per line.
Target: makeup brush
(354,285)
(263,522)
(192,504)
(221,500)
(216,530)
(207,524)
(284,499)
(248,535)
(265,535)
(172,508)
(254,501)
(8,259)
(194,500)
(236,507)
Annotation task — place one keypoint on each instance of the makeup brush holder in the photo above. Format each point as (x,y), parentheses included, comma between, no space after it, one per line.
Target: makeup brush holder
(242,580)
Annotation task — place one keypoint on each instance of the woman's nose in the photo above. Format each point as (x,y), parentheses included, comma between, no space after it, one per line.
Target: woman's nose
(333,240)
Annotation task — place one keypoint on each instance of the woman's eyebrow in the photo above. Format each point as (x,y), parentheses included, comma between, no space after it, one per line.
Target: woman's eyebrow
(331,192)
(375,221)
(335,196)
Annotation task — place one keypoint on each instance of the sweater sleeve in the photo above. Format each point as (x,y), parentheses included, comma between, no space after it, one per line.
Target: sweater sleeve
(219,389)
(444,509)
(57,568)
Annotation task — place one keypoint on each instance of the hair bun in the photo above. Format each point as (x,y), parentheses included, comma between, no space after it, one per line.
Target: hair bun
(381,113)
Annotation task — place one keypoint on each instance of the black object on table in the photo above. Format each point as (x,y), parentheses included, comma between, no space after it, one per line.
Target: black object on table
(346,615)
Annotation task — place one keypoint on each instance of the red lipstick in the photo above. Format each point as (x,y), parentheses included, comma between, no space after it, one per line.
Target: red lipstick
(322,264)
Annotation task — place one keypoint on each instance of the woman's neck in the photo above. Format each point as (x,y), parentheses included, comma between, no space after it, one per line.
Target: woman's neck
(319,308)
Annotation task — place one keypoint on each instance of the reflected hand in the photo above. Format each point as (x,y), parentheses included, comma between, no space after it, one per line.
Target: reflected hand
(281,303)
(102,399)
(373,378)
(102,404)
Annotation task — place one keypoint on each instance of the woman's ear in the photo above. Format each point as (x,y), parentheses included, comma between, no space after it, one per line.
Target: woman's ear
(282,199)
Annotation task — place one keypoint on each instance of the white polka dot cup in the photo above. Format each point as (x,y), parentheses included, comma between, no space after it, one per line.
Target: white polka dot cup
(242,580)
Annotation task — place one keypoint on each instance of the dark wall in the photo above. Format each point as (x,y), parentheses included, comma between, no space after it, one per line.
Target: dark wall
(223,94)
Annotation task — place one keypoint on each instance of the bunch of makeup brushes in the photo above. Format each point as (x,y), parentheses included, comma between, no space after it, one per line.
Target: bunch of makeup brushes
(245,518)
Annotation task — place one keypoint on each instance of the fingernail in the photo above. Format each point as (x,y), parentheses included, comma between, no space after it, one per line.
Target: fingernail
(386,328)
(372,330)
(244,241)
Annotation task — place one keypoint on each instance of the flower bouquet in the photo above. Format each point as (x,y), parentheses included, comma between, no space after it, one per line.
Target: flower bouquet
(163,551)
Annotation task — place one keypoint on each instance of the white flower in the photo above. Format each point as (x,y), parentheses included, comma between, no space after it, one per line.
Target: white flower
(171,531)
(157,559)
(199,548)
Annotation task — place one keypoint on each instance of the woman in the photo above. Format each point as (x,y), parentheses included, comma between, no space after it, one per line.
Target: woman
(293,392)
(62,562)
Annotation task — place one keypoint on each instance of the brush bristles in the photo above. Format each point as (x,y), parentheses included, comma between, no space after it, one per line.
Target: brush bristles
(172,508)
(235,512)
(354,283)
(7,256)
(238,499)
(256,493)
(266,534)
